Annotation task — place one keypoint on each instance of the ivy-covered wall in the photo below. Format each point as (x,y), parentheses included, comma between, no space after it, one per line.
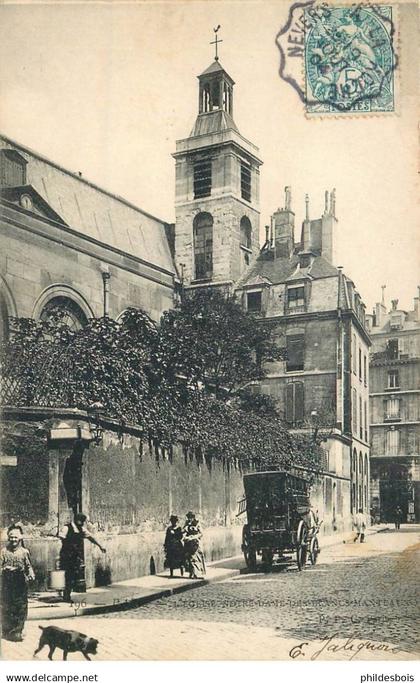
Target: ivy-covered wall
(133,488)
(128,491)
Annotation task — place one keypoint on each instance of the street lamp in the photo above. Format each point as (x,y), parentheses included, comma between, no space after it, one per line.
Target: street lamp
(94,411)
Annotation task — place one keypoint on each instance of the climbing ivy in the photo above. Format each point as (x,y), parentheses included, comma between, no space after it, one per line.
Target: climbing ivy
(188,380)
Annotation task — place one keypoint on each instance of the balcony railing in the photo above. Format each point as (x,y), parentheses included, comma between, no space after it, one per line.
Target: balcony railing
(392,417)
(388,355)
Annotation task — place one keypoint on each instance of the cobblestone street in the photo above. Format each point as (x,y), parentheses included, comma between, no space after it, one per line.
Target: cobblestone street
(363,592)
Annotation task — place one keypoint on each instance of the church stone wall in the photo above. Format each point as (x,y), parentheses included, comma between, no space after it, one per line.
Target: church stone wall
(31,263)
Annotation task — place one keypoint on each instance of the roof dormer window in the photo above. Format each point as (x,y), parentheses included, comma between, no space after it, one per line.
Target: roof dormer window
(296,297)
(12,168)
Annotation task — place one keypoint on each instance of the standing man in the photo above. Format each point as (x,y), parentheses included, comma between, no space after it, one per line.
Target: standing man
(71,553)
(360,526)
(398,517)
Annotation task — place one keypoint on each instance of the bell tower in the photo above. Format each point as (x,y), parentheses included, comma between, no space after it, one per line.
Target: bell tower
(217,189)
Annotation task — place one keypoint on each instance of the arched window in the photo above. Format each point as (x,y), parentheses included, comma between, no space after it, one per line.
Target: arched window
(360,482)
(366,480)
(68,311)
(203,246)
(246,232)
(4,320)
(353,480)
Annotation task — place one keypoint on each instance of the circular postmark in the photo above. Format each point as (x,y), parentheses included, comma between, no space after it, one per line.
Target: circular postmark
(340,59)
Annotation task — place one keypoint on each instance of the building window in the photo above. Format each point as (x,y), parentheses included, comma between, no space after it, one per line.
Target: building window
(254,302)
(360,480)
(360,364)
(392,442)
(295,352)
(366,421)
(12,168)
(202,179)
(392,411)
(396,322)
(360,417)
(246,232)
(354,354)
(245,181)
(354,411)
(353,501)
(203,246)
(392,349)
(393,379)
(295,404)
(64,310)
(365,369)
(296,297)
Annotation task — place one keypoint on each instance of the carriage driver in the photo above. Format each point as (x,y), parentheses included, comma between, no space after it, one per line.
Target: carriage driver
(311,520)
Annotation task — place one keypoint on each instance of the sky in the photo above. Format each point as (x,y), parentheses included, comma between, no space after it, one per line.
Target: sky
(107,88)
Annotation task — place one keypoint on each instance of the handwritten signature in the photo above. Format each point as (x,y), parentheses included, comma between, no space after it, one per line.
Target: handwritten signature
(352,646)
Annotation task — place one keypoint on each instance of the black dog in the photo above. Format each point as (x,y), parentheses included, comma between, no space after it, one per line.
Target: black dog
(68,641)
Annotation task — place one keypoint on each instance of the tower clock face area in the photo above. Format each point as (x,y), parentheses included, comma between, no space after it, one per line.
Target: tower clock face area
(217,189)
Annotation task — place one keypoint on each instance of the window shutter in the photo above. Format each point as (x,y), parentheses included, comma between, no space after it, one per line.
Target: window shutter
(289,403)
(299,402)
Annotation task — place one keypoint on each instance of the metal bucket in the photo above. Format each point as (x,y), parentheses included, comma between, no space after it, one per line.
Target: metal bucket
(57,580)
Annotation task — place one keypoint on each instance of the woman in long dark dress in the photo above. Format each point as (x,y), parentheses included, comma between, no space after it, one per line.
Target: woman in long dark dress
(16,572)
(174,547)
(194,556)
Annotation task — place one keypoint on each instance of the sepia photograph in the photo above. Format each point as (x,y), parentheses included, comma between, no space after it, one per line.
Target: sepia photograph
(209,333)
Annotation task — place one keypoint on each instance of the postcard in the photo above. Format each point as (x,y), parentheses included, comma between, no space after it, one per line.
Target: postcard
(210,332)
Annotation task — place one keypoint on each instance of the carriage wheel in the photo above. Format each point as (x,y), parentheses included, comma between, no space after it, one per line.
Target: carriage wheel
(248,550)
(301,546)
(314,550)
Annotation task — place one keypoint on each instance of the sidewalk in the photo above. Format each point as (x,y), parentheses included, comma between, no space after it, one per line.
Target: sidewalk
(135,592)
(121,595)
(348,536)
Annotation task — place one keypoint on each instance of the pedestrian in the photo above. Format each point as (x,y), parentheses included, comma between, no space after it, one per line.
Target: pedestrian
(360,525)
(16,573)
(71,553)
(194,556)
(174,547)
(398,514)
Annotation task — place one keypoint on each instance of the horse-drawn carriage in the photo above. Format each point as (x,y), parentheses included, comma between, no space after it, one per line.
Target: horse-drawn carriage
(280,520)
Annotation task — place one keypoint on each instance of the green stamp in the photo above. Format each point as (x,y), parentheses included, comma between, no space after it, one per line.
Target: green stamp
(349,59)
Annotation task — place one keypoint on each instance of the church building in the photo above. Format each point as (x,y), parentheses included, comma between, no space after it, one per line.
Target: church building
(66,242)
(294,286)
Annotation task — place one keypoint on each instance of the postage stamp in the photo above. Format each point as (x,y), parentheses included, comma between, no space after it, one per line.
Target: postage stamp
(340,59)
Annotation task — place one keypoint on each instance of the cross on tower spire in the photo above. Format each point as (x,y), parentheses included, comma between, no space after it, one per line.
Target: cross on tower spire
(216,42)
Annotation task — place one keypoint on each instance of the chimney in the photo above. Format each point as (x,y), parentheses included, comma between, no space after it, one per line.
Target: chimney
(325,244)
(283,222)
(317,234)
(380,309)
(417,306)
(306,228)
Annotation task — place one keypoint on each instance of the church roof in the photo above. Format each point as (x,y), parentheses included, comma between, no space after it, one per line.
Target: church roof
(214,68)
(213,122)
(94,212)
